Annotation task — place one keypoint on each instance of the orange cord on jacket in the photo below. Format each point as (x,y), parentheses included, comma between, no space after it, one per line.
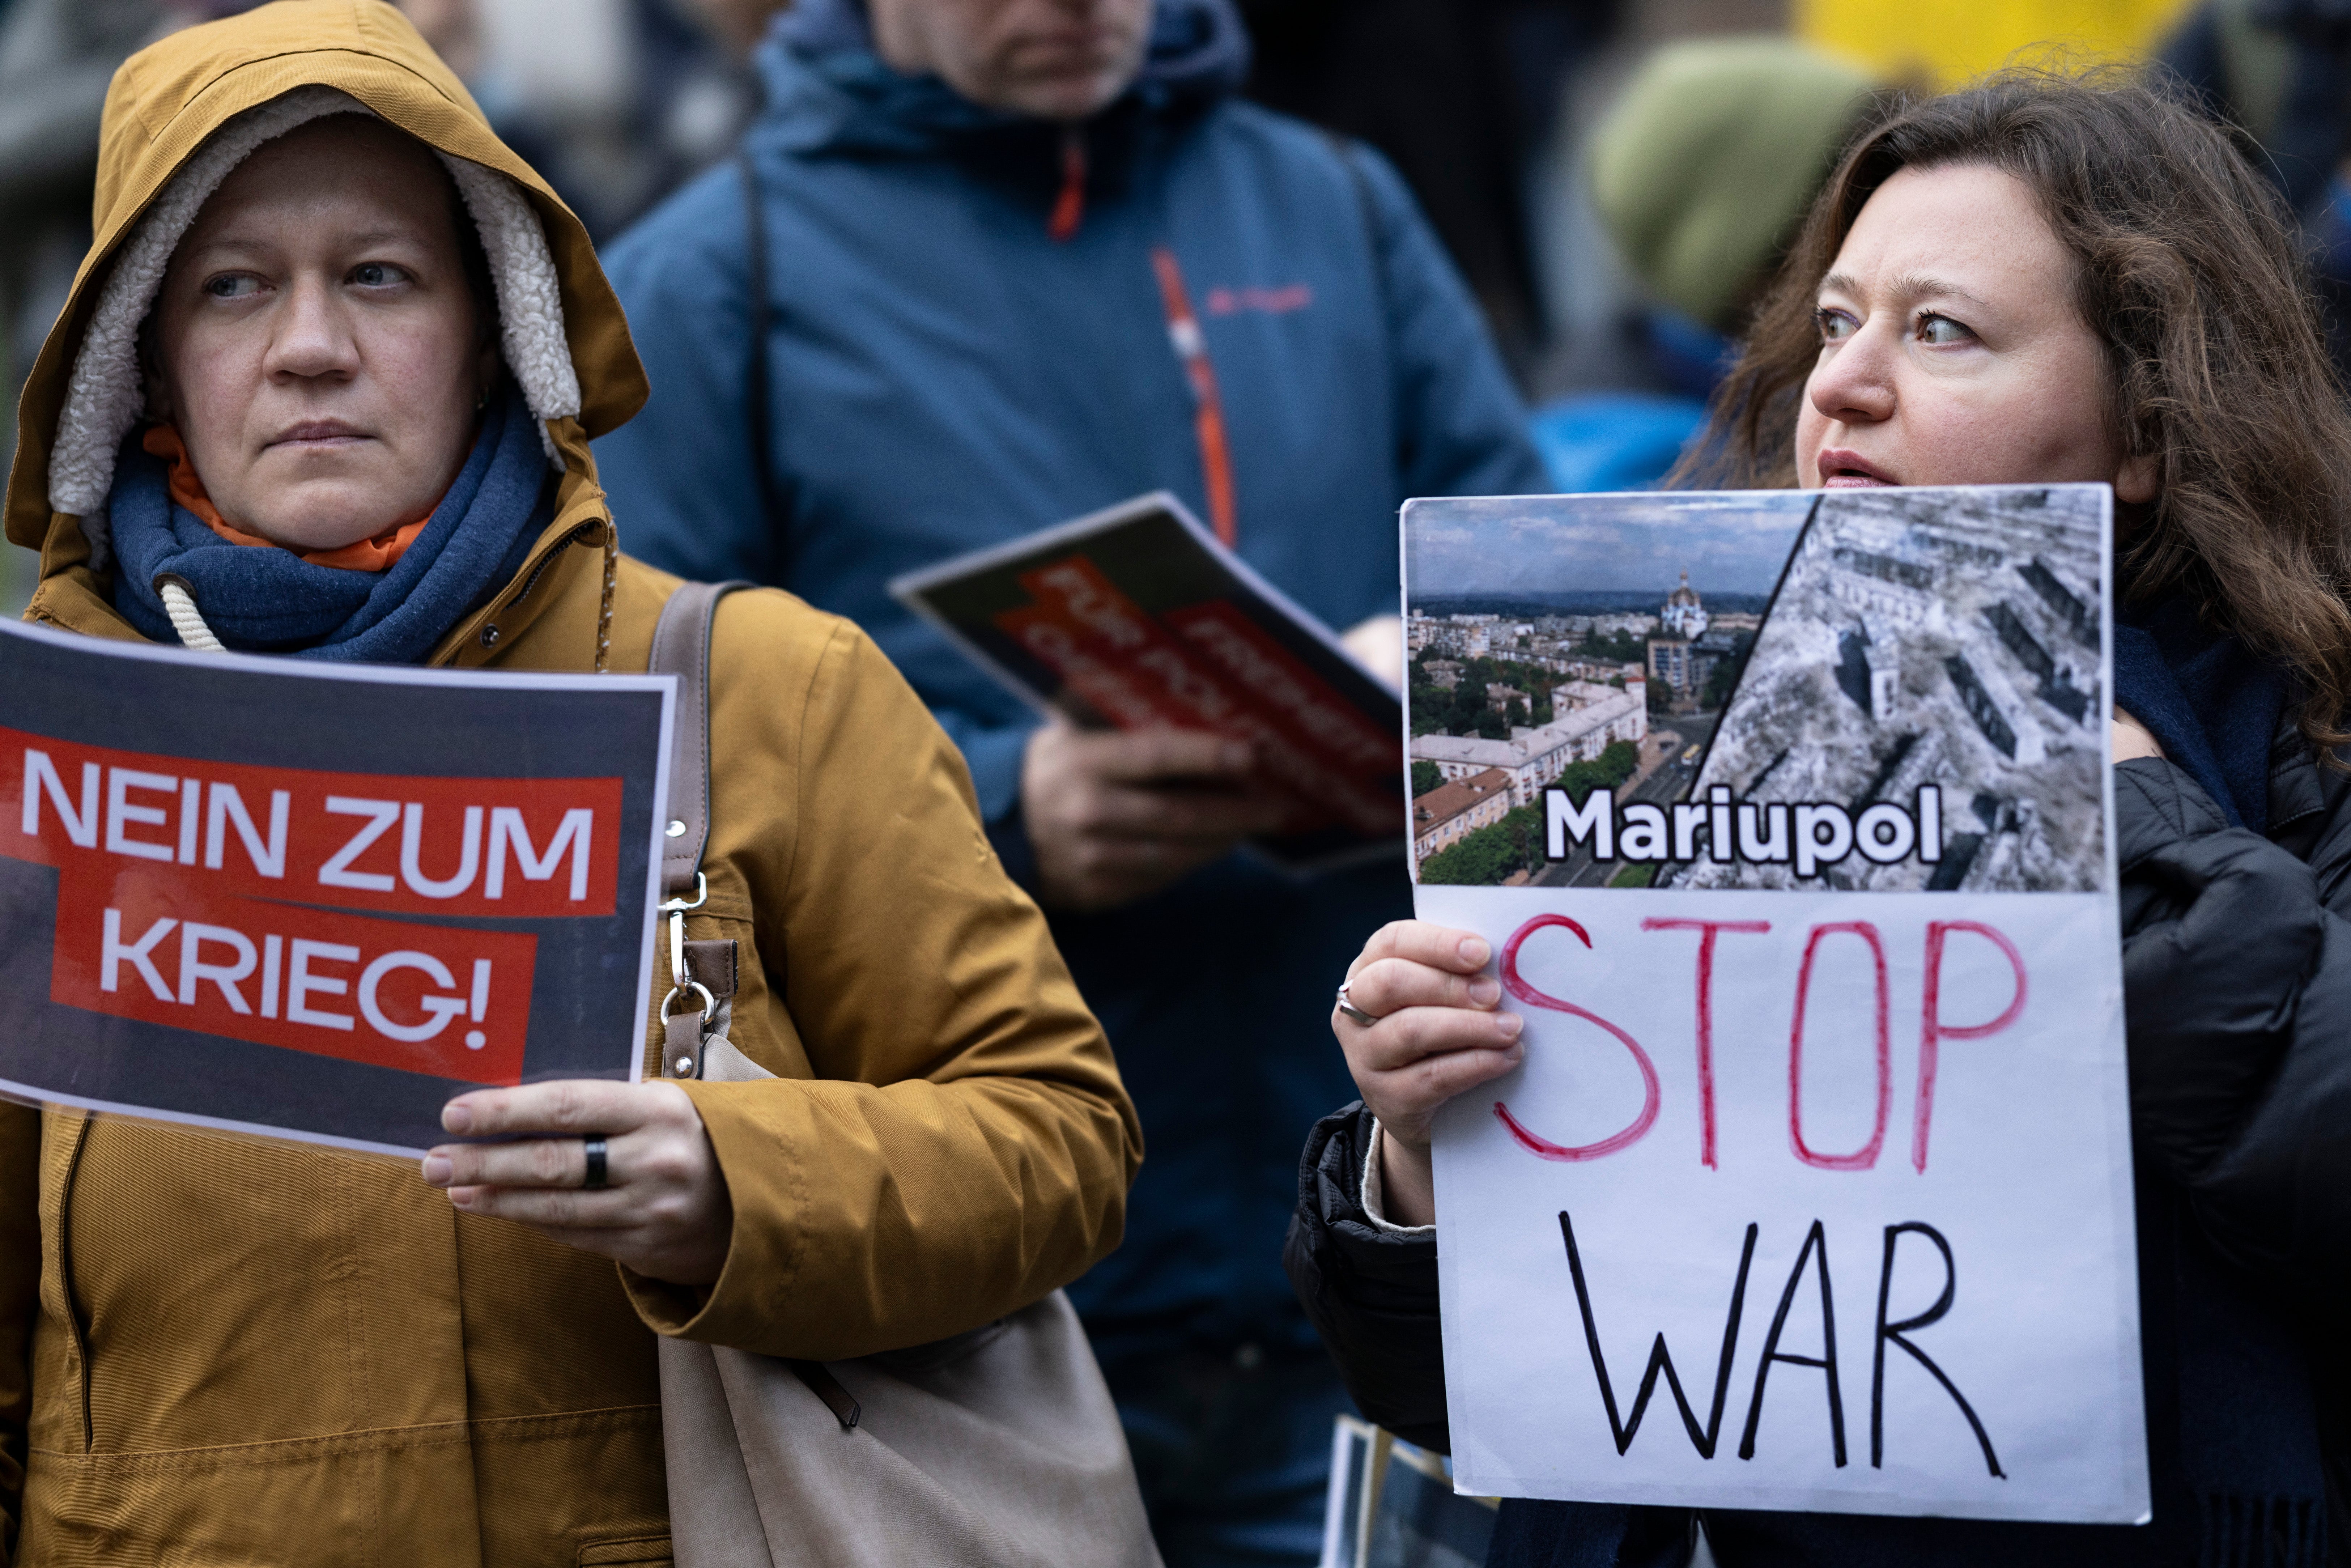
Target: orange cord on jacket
(1208,408)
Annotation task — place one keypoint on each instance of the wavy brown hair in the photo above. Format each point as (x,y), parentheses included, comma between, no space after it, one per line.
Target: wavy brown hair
(2192,279)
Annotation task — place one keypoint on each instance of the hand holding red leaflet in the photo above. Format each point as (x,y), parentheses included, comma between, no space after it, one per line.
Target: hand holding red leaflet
(1115,816)
(1191,707)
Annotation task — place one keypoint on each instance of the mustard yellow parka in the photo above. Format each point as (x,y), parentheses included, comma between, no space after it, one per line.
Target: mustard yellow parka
(216,1351)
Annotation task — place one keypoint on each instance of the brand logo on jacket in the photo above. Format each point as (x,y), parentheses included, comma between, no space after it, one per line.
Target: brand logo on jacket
(1280,301)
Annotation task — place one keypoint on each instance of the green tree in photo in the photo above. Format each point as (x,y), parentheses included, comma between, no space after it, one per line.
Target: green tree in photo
(1468,707)
(1486,857)
(1425,776)
(1432,709)
(1616,762)
(1619,648)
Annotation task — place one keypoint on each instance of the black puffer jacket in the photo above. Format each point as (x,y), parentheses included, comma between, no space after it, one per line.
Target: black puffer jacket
(2237,977)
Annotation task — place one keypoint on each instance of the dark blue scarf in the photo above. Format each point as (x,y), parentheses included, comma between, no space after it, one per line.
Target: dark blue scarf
(2209,703)
(273,601)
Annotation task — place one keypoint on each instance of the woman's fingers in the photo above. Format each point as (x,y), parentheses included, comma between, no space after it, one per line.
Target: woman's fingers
(1422,942)
(573,1105)
(1438,1032)
(1391,985)
(2130,739)
(1430,1082)
(1408,1097)
(534,1163)
(1406,1038)
(663,1210)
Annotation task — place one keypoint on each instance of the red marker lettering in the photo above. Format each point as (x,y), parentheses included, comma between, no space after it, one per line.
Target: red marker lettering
(1865,1157)
(1933,1031)
(1707,930)
(1542,1147)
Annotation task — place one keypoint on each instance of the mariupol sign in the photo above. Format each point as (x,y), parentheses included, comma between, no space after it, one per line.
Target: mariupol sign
(1814,1191)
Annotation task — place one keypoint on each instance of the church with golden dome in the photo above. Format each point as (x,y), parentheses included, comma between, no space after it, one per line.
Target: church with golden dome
(1684,614)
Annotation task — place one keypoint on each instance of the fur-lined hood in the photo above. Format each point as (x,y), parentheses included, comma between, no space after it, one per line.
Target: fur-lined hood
(184,112)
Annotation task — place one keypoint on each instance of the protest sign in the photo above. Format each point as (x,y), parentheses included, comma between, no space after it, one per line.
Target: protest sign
(1137,618)
(1813,1189)
(317,901)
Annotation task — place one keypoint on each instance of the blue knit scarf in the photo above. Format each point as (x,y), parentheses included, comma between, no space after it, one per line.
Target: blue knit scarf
(2210,702)
(274,602)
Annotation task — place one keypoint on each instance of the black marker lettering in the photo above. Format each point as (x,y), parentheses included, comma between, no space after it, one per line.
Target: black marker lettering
(1659,1359)
(1815,1250)
(1894,1332)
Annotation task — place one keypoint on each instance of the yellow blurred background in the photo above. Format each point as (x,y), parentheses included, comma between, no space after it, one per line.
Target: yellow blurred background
(1947,41)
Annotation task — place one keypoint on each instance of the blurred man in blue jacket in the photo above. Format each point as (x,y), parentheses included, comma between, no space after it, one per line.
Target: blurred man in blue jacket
(1025,258)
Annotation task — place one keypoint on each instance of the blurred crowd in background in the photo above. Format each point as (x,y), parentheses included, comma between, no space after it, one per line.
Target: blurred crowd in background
(1615,180)
(1613,177)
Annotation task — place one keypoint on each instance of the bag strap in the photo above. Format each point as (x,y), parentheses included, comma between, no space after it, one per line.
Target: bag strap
(682,648)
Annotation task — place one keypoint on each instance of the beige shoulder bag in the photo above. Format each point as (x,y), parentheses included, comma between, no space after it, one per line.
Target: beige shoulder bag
(997,1449)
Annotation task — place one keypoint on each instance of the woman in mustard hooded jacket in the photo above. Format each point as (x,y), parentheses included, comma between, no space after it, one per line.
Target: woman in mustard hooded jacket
(222,1352)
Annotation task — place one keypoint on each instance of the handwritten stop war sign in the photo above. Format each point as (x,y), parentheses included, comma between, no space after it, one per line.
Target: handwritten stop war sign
(317,902)
(1814,1191)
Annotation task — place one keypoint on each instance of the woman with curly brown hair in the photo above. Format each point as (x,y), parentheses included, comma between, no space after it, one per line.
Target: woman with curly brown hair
(2040,278)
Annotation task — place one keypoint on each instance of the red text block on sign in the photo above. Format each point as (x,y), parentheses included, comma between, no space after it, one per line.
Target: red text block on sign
(521,848)
(165,946)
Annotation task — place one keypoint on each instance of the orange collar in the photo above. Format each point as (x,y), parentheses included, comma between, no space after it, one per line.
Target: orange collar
(375,554)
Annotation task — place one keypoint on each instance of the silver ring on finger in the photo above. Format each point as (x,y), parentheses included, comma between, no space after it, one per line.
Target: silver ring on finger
(1348,1007)
(598,1169)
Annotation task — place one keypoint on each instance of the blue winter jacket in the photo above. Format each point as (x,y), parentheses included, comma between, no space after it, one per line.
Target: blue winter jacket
(947,375)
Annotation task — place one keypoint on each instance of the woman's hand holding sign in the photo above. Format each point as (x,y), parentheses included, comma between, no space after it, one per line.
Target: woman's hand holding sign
(1436,1033)
(2131,738)
(663,1210)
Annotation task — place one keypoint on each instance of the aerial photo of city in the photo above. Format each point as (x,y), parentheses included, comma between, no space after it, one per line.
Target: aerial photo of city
(1912,674)
(1578,641)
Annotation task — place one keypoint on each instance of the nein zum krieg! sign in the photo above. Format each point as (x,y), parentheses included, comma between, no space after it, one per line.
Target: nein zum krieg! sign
(317,903)
(1792,841)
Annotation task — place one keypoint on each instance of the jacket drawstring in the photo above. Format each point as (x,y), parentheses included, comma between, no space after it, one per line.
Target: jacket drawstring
(181,606)
(1070,207)
(611,579)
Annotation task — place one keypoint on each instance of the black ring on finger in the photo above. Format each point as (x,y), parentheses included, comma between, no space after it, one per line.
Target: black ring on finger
(594,1145)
